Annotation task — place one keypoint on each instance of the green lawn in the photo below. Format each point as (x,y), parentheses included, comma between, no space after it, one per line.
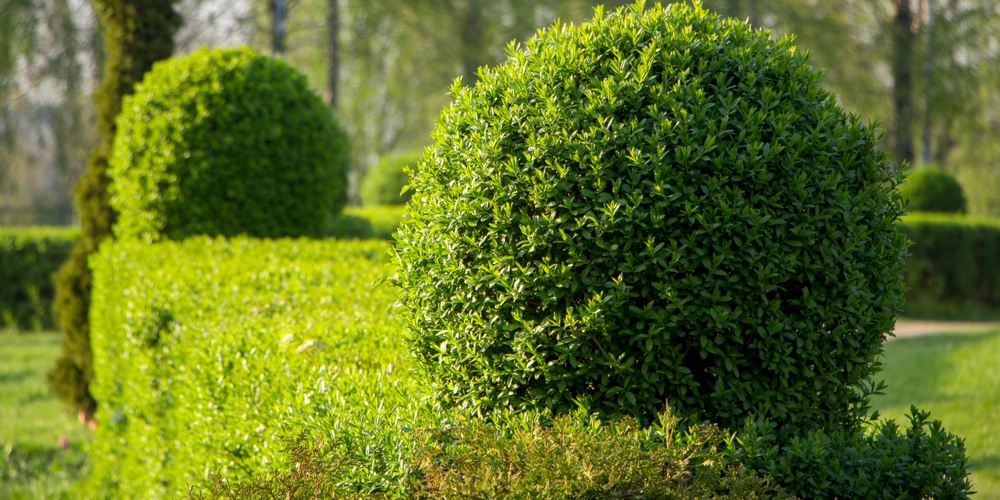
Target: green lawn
(955,376)
(32,464)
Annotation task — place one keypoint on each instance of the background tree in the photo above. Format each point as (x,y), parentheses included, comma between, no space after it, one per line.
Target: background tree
(136,33)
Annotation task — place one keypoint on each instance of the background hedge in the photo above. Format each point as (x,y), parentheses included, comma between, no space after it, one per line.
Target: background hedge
(28,258)
(954,263)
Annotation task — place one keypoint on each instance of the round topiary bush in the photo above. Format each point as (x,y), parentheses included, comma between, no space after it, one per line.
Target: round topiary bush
(655,205)
(383,184)
(931,189)
(225,142)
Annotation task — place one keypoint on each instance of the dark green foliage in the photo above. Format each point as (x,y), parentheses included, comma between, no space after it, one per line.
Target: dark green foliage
(226,142)
(952,263)
(384,218)
(136,34)
(350,227)
(580,457)
(28,257)
(657,205)
(930,189)
(383,183)
(919,461)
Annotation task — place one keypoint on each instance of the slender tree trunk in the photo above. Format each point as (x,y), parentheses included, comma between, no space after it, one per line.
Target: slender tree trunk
(926,148)
(902,71)
(279,14)
(332,53)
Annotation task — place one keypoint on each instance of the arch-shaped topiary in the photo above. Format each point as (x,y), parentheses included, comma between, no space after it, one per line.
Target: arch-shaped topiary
(656,205)
(930,189)
(226,142)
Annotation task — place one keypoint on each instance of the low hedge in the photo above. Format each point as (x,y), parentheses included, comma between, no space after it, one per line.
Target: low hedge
(881,460)
(210,356)
(954,263)
(28,257)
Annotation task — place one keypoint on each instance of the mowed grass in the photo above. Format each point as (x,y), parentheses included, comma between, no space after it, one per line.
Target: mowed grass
(32,463)
(955,376)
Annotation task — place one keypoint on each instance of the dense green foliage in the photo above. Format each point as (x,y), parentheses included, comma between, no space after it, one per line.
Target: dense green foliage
(211,355)
(28,257)
(930,189)
(952,262)
(656,205)
(137,33)
(383,183)
(920,461)
(579,456)
(226,142)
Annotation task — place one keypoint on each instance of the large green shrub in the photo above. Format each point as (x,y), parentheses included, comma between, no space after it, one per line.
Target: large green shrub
(655,205)
(383,183)
(225,142)
(28,257)
(930,189)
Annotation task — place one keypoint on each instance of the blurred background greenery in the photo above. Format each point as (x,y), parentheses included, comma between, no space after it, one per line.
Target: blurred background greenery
(927,70)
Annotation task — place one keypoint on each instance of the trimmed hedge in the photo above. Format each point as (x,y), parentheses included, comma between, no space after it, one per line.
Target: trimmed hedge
(28,257)
(211,355)
(954,262)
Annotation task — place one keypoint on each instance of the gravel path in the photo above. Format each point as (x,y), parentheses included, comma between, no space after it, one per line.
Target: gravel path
(914,328)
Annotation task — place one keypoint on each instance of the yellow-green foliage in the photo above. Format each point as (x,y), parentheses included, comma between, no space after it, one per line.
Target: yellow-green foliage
(28,257)
(210,355)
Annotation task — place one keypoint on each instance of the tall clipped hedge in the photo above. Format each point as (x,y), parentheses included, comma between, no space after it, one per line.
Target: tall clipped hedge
(136,33)
(226,142)
(28,257)
(213,354)
(954,262)
(655,205)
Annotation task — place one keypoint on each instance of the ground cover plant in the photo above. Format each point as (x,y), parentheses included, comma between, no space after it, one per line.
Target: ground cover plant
(956,376)
(657,205)
(33,462)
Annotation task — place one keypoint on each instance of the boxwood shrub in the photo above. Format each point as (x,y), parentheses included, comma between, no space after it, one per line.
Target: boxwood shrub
(655,205)
(28,258)
(930,189)
(881,460)
(226,142)
(210,356)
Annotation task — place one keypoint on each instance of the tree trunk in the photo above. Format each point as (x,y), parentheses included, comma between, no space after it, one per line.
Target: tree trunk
(332,53)
(279,14)
(903,38)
